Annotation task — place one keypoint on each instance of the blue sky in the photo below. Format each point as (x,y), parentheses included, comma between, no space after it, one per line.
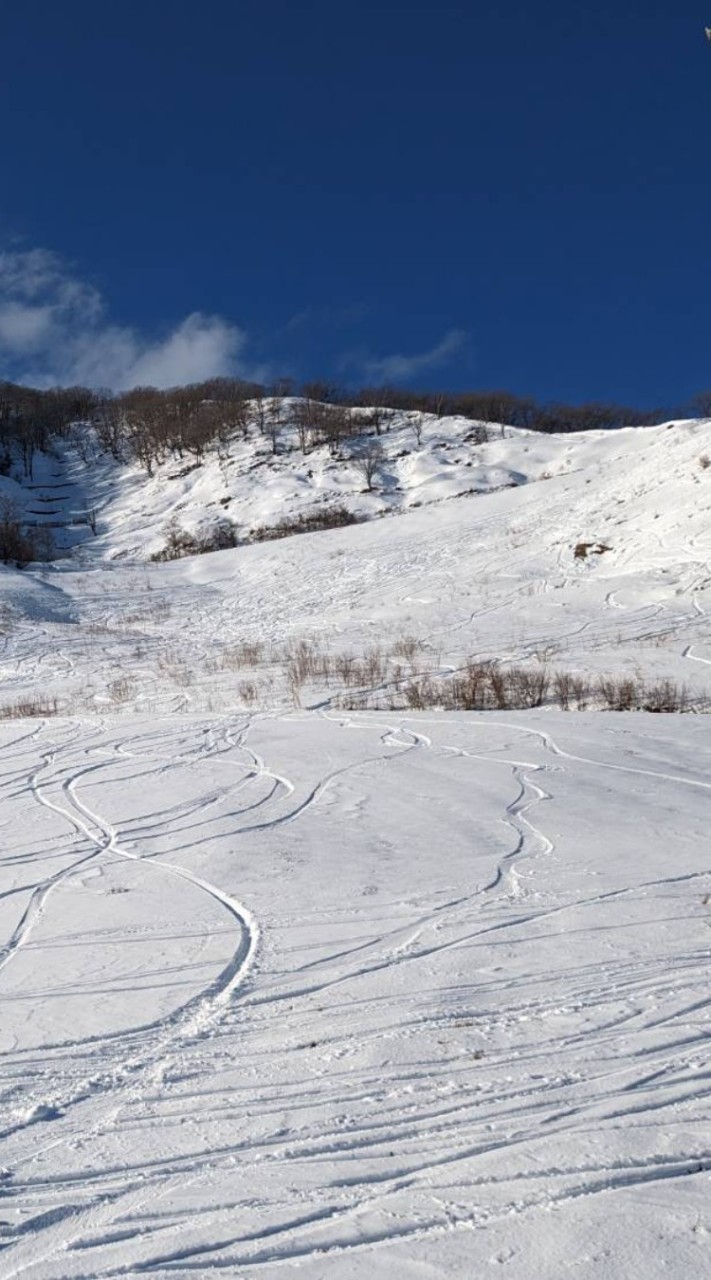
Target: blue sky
(459,194)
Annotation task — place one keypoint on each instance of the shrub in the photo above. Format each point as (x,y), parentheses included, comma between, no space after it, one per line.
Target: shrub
(488,686)
(311,522)
(18,544)
(220,537)
(570,691)
(180,543)
(29,707)
(666,696)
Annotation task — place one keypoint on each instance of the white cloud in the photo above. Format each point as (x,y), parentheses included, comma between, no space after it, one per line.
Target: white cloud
(23,328)
(401,368)
(200,347)
(54,331)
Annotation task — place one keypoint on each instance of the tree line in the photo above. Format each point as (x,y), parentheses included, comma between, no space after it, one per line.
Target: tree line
(149,425)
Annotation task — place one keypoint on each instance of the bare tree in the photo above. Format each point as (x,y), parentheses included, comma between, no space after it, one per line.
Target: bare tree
(110,427)
(368,461)
(274,421)
(335,427)
(375,401)
(701,405)
(437,402)
(323,392)
(260,411)
(309,417)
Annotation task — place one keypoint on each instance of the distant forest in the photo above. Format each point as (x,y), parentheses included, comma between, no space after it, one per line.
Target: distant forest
(147,424)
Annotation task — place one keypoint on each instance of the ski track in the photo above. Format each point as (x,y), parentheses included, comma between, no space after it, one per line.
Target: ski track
(127,1076)
(434,1141)
(414,1073)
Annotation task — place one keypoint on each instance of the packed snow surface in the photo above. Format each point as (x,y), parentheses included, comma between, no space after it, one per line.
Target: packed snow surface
(289,987)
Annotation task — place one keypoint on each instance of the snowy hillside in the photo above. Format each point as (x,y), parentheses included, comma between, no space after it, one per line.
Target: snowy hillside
(298,978)
(416,460)
(588,553)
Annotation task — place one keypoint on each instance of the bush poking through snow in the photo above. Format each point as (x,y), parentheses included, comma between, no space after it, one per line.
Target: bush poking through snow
(309,522)
(20,545)
(180,543)
(487,686)
(29,708)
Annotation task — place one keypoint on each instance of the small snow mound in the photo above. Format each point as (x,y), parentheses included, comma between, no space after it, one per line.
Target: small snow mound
(40,1112)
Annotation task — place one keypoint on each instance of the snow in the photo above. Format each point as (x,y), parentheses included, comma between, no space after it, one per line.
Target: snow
(291,988)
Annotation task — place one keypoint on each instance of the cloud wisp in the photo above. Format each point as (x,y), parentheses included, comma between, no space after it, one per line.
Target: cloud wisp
(404,368)
(54,331)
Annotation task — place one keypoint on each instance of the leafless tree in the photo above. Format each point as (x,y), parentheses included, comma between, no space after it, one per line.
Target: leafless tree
(335,427)
(308,417)
(368,461)
(274,421)
(108,420)
(701,404)
(320,391)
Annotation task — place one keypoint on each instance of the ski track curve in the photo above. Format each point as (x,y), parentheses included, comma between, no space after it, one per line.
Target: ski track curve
(108,1084)
(444,1137)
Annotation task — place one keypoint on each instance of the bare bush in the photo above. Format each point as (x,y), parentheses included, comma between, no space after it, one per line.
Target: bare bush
(488,686)
(479,434)
(29,707)
(179,543)
(421,694)
(19,545)
(121,690)
(619,694)
(343,665)
(246,654)
(477,688)
(628,694)
(248,692)
(334,517)
(666,696)
(565,689)
(529,687)
(581,692)
(406,647)
(303,662)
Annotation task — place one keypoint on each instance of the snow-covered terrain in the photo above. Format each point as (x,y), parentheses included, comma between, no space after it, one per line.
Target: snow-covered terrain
(290,987)
(491,574)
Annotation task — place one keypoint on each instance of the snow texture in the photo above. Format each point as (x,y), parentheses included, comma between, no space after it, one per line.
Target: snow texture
(289,988)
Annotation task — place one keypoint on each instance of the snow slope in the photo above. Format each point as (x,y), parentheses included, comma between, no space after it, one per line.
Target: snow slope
(356,996)
(654,474)
(492,575)
(289,988)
